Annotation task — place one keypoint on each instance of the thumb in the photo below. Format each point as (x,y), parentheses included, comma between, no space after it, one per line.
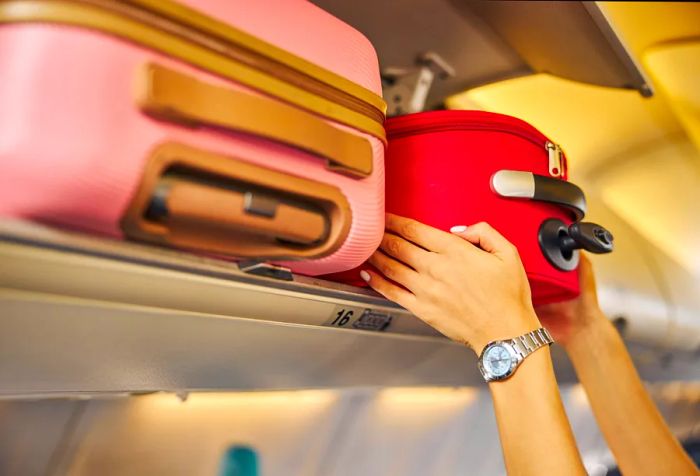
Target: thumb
(485,237)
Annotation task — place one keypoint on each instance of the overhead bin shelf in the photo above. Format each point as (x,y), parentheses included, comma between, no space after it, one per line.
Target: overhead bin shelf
(40,259)
(80,314)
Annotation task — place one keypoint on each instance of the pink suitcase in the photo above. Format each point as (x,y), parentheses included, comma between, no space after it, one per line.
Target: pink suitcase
(243,128)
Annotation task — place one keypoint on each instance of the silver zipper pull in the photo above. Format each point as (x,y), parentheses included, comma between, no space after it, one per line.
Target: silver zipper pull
(554,153)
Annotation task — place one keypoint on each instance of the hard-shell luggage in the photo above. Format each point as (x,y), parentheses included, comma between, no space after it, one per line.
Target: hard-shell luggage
(447,168)
(247,129)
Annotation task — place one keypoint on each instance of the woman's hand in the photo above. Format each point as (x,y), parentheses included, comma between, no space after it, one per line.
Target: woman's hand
(567,319)
(469,284)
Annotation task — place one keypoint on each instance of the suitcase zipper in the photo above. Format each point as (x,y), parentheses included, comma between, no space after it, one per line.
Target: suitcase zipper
(230,53)
(555,163)
(164,11)
(412,124)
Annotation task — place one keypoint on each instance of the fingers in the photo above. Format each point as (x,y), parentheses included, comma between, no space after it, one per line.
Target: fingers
(390,291)
(584,264)
(392,269)
(424,236)
(585,269)
(404,251)
(587,276)
(485,237)
(482,235)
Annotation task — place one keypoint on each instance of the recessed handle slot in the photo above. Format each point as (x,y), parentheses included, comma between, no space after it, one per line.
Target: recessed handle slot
(181,201)
(190,198)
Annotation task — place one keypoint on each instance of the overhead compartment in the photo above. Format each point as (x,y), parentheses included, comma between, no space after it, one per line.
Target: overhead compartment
(463,44)
(675,67)
(665,37)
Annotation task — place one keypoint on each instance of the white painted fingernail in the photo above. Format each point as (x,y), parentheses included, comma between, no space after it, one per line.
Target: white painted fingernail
(365,276)
(458,229)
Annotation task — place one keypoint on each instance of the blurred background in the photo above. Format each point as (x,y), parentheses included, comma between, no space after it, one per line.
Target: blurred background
(406,431)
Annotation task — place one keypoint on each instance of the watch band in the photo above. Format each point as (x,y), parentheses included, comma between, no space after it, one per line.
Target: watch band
(526,344)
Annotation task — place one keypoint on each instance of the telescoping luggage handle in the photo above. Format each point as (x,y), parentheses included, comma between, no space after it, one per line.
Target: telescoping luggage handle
(199,200)
(178,97)
(558,242)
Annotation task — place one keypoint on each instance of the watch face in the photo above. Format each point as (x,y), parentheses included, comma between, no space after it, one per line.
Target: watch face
(497,361)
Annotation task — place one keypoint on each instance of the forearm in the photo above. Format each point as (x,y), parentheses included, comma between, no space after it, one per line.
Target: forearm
(632,426)
(534,430)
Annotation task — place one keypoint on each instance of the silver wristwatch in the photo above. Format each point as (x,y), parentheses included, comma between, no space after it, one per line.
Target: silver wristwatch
(500,358)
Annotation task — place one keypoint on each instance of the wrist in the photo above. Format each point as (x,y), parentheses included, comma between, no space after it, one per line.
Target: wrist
(507,327)
(535,366)
(594,326)
(500,360)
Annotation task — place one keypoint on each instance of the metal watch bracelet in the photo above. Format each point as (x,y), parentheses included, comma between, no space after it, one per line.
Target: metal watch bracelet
(526,344)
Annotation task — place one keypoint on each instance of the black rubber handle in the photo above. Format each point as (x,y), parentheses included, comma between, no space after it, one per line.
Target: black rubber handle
(588,236)
(560,192)
(520,184)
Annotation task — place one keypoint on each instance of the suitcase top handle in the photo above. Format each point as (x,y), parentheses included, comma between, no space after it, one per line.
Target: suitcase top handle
(179,97)
(529,186)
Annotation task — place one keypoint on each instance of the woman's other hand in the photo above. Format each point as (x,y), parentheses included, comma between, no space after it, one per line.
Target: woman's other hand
(567,319)
(469,284)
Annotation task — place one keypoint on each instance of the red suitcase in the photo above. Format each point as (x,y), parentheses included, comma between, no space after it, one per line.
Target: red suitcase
(447,168)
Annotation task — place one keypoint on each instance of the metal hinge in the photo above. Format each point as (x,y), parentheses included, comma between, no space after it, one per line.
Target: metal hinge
(406,89)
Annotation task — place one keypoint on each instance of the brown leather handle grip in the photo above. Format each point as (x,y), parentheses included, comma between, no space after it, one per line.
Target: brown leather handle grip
(178,97)
(184,204)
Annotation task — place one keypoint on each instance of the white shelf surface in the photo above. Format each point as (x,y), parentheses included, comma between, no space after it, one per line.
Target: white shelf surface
(83,315)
